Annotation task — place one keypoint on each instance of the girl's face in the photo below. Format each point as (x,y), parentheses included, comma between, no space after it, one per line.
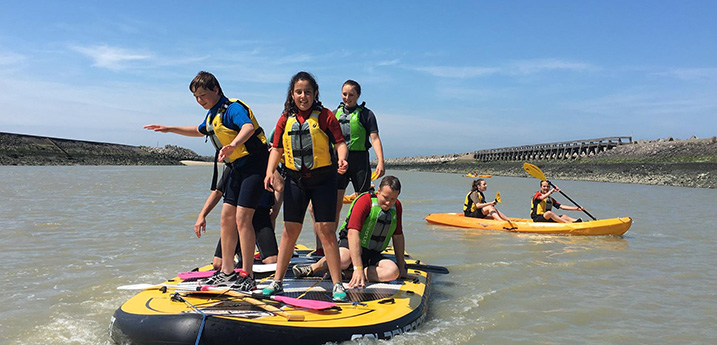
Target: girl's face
(482,186)
(349,95)
(303,95)
(544,187)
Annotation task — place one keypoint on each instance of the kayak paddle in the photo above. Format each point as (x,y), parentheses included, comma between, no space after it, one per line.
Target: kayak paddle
(428,268)
(498,199)
(294,302)
(537,173)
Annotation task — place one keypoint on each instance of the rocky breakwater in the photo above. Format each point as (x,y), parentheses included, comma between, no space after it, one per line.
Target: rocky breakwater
(19,149)
(667,161)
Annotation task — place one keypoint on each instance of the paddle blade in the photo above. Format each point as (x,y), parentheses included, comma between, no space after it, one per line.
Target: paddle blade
(304,303)
(428,268)
(534,171)
(374,176)
(497,197)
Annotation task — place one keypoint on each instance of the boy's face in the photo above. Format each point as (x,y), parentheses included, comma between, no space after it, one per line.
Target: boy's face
(207,98)
(387,197)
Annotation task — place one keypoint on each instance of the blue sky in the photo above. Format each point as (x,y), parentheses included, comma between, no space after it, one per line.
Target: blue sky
(441,76)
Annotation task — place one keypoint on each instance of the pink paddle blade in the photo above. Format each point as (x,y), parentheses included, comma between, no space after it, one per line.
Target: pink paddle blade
(195,274)
(304,303)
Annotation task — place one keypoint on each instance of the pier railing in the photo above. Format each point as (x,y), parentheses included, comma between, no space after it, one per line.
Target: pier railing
(565,150)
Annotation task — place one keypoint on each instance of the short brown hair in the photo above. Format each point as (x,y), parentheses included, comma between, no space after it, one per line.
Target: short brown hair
(205,80)
(392,182)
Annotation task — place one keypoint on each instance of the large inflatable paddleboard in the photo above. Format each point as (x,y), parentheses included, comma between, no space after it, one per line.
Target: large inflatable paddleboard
(181,311)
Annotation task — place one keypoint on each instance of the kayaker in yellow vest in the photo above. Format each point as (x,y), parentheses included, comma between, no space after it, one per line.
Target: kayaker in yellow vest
(542,204)
(476,206)
(372,221)
(303,135)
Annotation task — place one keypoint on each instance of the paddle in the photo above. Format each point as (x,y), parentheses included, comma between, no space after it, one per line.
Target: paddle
(537,173)
(498,199)
(294,302)
(428,268)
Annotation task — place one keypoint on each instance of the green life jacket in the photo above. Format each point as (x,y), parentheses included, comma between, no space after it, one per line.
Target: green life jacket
(378,228)
(354,132)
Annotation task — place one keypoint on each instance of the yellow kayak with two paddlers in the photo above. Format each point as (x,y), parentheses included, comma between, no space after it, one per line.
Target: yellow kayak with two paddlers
(601,227)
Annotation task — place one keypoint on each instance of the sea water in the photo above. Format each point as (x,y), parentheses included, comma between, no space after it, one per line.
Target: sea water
(70,235)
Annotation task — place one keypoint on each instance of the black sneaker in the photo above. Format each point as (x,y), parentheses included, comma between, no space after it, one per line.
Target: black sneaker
(579,220)
(244,282)
(301,271)
(221,279)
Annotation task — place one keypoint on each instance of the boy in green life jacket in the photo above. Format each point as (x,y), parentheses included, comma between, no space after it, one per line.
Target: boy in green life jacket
(372,221)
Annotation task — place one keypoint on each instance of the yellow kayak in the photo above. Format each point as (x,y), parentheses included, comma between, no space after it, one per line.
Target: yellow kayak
(601,227)
(177,312)
(476,175)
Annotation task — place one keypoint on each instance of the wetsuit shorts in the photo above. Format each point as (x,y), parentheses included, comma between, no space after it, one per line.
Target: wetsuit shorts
(359,172)
(541,219)
(265,237)
(245,185)
(475,214)
(368,257)
(319,187)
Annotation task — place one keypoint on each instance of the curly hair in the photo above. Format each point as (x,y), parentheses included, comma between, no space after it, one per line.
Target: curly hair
(290,106)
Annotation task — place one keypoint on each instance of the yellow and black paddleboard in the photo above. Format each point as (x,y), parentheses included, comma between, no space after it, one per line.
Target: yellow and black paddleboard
(174,312)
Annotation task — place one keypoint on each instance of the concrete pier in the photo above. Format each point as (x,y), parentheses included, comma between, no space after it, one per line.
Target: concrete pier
(565,150)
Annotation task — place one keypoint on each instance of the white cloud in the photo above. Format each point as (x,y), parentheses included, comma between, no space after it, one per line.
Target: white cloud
(388,63)
(457,72)
(541,65)
(110,57)
(513,68)
(691,73)
(10,59)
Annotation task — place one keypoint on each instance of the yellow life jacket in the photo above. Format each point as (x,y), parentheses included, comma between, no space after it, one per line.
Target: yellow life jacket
(537,209)
(221,135)
(468,204)
(306,145)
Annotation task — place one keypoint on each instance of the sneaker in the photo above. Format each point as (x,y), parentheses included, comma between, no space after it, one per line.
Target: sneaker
(301,271)
(579,220)
(221,279)
(275,288)
(339,292)
(244,282)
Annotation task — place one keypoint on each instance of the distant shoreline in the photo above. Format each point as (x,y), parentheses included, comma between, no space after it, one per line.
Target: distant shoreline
(669,162)
(22,149)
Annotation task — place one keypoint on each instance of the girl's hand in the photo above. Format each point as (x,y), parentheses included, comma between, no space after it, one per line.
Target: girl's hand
(343,166)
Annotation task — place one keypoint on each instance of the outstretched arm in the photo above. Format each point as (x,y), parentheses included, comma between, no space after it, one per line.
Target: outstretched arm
(190,131)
